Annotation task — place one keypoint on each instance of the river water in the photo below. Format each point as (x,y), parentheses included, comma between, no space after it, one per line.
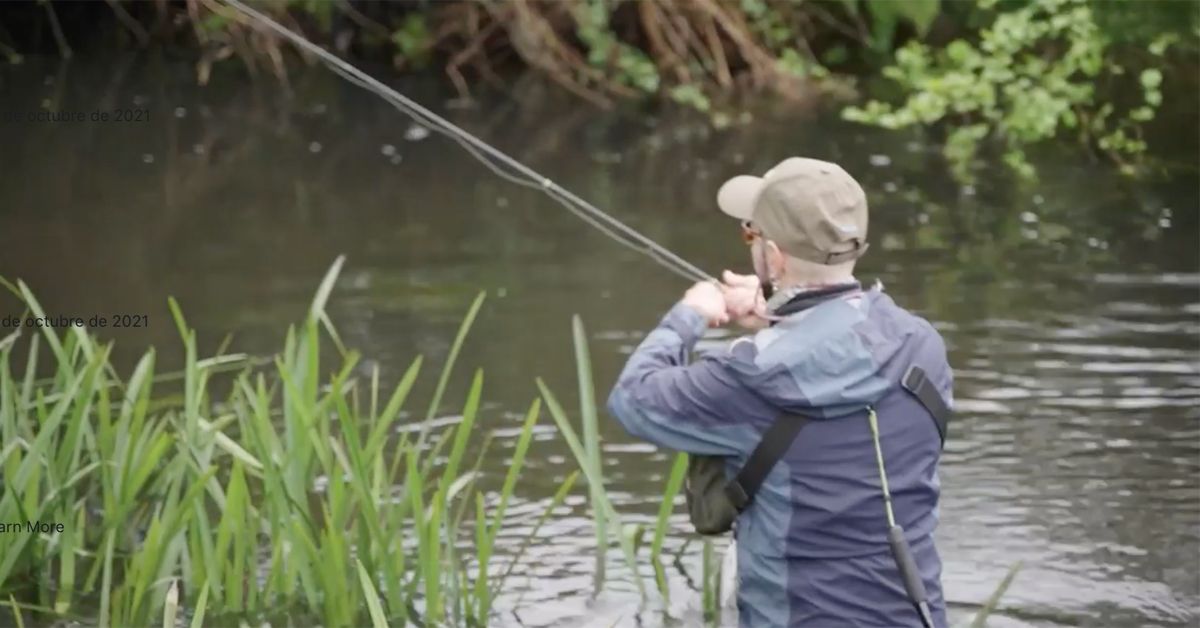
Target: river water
(1071,306)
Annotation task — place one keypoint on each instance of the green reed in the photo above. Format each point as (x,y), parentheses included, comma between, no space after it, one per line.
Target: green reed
(591,443)
(587,454)
(710,588)
(661,524)
(989,606)
(177,502)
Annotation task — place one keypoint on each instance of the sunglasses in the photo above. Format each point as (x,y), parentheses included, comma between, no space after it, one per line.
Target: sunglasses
(749,233)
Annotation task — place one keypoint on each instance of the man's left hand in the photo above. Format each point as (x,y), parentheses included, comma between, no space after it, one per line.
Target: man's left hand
(743,300)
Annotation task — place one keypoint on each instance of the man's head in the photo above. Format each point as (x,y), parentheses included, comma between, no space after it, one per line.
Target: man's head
(806,220)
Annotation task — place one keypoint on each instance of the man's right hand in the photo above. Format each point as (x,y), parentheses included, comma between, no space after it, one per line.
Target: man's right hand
(743,300)
(708,299)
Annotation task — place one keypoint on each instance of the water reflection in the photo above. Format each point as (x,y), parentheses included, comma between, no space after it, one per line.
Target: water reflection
(1069,307)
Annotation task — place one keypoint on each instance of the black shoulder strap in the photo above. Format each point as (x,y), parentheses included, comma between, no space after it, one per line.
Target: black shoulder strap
(779,437)
(916,382)
(774,443)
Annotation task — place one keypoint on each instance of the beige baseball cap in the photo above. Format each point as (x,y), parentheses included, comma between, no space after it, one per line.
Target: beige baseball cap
(811,209)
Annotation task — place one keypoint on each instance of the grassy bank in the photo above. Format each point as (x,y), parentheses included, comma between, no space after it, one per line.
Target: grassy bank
(305,494)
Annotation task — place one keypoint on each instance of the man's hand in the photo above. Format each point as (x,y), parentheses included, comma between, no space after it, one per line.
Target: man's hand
(708,299)
(743,300)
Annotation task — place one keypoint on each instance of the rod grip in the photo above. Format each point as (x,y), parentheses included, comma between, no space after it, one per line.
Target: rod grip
(907,565)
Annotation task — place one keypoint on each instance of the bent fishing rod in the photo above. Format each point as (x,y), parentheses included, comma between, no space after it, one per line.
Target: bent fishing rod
(497,161)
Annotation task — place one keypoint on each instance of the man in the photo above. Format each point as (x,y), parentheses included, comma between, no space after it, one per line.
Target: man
(812,545)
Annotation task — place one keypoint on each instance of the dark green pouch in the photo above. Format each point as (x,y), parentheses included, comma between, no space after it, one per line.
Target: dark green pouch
(709,507)
(714,502)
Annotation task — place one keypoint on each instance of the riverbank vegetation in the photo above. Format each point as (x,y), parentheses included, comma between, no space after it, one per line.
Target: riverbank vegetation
(988,77)
(293,495)
(287,490)
(1037,71)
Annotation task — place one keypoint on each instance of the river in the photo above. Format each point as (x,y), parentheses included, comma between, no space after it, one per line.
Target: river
(1071,306)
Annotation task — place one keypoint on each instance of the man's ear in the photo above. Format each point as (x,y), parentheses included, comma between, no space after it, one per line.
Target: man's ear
(776,261)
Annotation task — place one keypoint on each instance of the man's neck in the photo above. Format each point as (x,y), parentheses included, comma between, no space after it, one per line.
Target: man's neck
(802,285)
(788,292)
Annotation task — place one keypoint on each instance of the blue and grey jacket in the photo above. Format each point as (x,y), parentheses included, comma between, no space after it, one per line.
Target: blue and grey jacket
(812,546)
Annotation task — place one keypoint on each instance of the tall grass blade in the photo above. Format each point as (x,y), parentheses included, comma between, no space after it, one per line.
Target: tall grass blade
(485,532)
(51,336)
(66,578)
(559,496)
(667,507)
(461,434)
(201,607)
(662,522)
(317,309)
(7,342)
(378,620)
(711,578)
(383,421)
(989,607)
(16,609)
(171,608)
(591,445)
(444,379)
(568,432)
(106,582)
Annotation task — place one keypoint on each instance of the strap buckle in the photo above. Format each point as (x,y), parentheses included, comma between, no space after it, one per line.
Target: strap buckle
(736,494)
(913,378)
(917,382)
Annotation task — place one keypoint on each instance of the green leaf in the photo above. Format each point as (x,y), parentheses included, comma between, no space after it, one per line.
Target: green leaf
(835,54)
(591,443)
(16,609)
(1151,78)
(690,95)
(883,22)
(201,607)
(921,13)
(576,447)
(980,620)
(378,620)
(171,608)
(444,379)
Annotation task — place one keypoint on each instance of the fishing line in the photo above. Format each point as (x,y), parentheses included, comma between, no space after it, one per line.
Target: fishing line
(583,210)
(655,251)
(498,162)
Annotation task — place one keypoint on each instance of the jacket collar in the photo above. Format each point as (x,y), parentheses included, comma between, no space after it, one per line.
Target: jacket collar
(800,298)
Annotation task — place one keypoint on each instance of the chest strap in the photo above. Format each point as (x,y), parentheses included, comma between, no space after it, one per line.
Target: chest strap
(917,382)
(778,438)
(774,443)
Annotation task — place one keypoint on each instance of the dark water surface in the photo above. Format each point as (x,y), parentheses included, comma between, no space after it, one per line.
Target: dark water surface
(1071,307)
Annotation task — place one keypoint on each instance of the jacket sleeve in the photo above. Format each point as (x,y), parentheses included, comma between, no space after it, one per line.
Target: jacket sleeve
(661,399)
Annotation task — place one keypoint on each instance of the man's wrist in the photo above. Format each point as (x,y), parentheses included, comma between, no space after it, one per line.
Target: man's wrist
(753,322)
(686,321)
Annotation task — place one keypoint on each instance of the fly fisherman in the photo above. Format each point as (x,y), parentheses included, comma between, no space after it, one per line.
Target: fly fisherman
(790,412)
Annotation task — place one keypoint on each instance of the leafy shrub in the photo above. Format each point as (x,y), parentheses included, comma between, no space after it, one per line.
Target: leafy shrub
(1032,74)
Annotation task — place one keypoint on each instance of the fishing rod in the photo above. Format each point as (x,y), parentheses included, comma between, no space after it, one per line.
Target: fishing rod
(496,160)
(902,554)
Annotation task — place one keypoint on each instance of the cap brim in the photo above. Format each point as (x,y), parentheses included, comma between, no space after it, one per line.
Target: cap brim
(738,195)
